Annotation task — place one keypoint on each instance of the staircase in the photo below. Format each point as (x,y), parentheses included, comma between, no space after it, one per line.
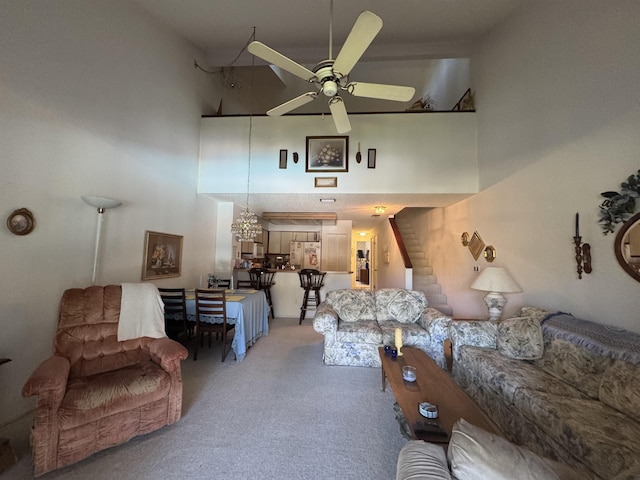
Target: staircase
(423,278)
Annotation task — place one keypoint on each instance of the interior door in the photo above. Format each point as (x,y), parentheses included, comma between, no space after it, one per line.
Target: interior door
(373,263)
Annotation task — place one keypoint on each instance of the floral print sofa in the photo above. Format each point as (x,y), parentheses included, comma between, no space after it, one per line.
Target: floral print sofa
(356,322)
(566,388)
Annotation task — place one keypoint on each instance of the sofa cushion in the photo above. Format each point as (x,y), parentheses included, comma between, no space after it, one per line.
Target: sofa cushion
(352,305)
(363,331)
(399,304)
(598,436)
(572,363)
(535,312)
(413,335)
(620,388)
(476,454)
(520,338)
(505,376)
(419,460)
(87,398)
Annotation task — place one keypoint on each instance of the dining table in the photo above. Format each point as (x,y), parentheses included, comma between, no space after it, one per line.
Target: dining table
(247,309)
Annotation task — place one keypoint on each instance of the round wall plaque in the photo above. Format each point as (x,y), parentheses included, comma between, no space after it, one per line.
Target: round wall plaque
(21,222)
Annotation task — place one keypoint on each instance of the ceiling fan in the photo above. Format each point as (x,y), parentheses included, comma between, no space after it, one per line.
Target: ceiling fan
(332,75)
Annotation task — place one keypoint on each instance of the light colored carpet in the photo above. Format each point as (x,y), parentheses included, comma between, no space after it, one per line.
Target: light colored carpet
(280,413)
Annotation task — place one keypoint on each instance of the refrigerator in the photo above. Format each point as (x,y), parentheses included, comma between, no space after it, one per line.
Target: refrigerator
(305,254)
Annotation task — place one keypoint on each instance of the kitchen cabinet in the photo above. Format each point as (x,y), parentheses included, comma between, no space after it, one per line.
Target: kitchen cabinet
(280,242)
(247,247)
(336,252)
(285,242)
(274,242)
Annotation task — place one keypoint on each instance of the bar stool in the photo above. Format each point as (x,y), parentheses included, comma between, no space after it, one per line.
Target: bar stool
(311,281)
(262,279)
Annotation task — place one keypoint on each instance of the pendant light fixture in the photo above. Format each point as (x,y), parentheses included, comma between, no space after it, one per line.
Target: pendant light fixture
(246,226)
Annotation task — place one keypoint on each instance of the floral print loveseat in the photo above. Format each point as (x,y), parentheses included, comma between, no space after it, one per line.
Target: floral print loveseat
(566,388)
(356,322)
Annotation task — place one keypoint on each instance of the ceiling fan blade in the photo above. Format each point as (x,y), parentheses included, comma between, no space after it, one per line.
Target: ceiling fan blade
(362,34)
(292,104)
(270,55)
(339,114)
(381,91)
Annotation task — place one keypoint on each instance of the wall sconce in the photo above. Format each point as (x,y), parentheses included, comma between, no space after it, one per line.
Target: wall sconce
(583,251)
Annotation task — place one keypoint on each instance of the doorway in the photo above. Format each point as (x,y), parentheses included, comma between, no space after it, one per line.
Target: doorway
(363,278)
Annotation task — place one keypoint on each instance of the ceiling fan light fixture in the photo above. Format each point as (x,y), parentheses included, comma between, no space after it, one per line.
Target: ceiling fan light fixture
(330,88)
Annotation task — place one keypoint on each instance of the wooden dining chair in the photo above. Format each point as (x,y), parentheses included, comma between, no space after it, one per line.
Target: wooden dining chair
(175,312)
(244,284)
(211,307)
(224,283)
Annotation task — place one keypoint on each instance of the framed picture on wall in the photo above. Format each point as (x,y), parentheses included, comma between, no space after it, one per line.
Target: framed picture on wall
(162,255)
(327,154)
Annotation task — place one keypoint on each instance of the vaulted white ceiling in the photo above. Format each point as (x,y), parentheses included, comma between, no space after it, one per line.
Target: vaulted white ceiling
(414,33)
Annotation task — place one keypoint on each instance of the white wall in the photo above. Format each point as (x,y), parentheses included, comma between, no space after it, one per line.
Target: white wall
(448,80)
(558,121)
(437,153)
(94,99)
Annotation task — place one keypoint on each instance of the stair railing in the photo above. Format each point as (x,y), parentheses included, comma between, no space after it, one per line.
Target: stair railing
(400,243)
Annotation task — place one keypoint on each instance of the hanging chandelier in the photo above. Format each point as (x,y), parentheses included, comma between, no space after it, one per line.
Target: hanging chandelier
(246,226)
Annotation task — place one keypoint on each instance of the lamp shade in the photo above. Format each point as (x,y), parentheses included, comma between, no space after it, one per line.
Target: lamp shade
(101,202)
(495,279)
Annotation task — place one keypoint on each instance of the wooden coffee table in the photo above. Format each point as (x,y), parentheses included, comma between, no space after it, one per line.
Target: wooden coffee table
(432,385)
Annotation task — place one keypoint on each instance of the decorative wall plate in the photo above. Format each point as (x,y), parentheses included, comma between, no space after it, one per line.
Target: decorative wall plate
(464,238)
(476,245)
(21,222)
(489,253)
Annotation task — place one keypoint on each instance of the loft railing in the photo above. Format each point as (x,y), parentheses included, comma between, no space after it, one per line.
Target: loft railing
(400,243)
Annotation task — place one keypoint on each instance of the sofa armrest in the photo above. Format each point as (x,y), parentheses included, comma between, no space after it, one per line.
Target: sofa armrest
(325,320)
(167,353)
(476,333)
(436,323)
(49,382)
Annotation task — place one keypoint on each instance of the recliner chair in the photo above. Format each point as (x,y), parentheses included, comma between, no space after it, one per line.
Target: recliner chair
(95,391)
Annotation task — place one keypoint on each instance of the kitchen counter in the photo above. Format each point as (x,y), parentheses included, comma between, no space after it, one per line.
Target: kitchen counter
(287,294)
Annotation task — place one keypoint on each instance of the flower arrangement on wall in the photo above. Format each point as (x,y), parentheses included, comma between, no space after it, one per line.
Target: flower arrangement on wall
(618,207)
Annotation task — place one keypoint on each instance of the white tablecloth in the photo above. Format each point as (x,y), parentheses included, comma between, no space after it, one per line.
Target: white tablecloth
(249,315)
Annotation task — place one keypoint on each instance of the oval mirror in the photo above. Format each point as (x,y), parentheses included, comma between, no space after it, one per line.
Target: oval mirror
(627,246)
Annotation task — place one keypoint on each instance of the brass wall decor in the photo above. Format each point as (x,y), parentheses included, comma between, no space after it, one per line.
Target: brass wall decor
(476,245)
(464,238)
(583,251)
(21,222)
(295,157)
(489,253)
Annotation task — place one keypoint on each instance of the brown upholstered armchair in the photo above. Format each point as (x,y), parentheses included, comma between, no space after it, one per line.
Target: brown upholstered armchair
(96,392)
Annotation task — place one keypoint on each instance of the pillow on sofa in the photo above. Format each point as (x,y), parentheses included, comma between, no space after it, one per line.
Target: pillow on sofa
(520,338)
(476,454)
(534,312)
(352,305)
(419,460)
(404,306)
(620,388)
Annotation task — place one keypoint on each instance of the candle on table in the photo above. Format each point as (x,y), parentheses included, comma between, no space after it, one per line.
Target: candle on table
(398,340)
(577,224)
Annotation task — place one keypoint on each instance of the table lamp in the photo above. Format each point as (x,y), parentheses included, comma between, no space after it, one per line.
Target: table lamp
(496,281)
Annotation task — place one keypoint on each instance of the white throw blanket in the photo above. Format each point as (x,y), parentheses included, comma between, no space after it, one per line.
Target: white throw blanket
(141,312)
